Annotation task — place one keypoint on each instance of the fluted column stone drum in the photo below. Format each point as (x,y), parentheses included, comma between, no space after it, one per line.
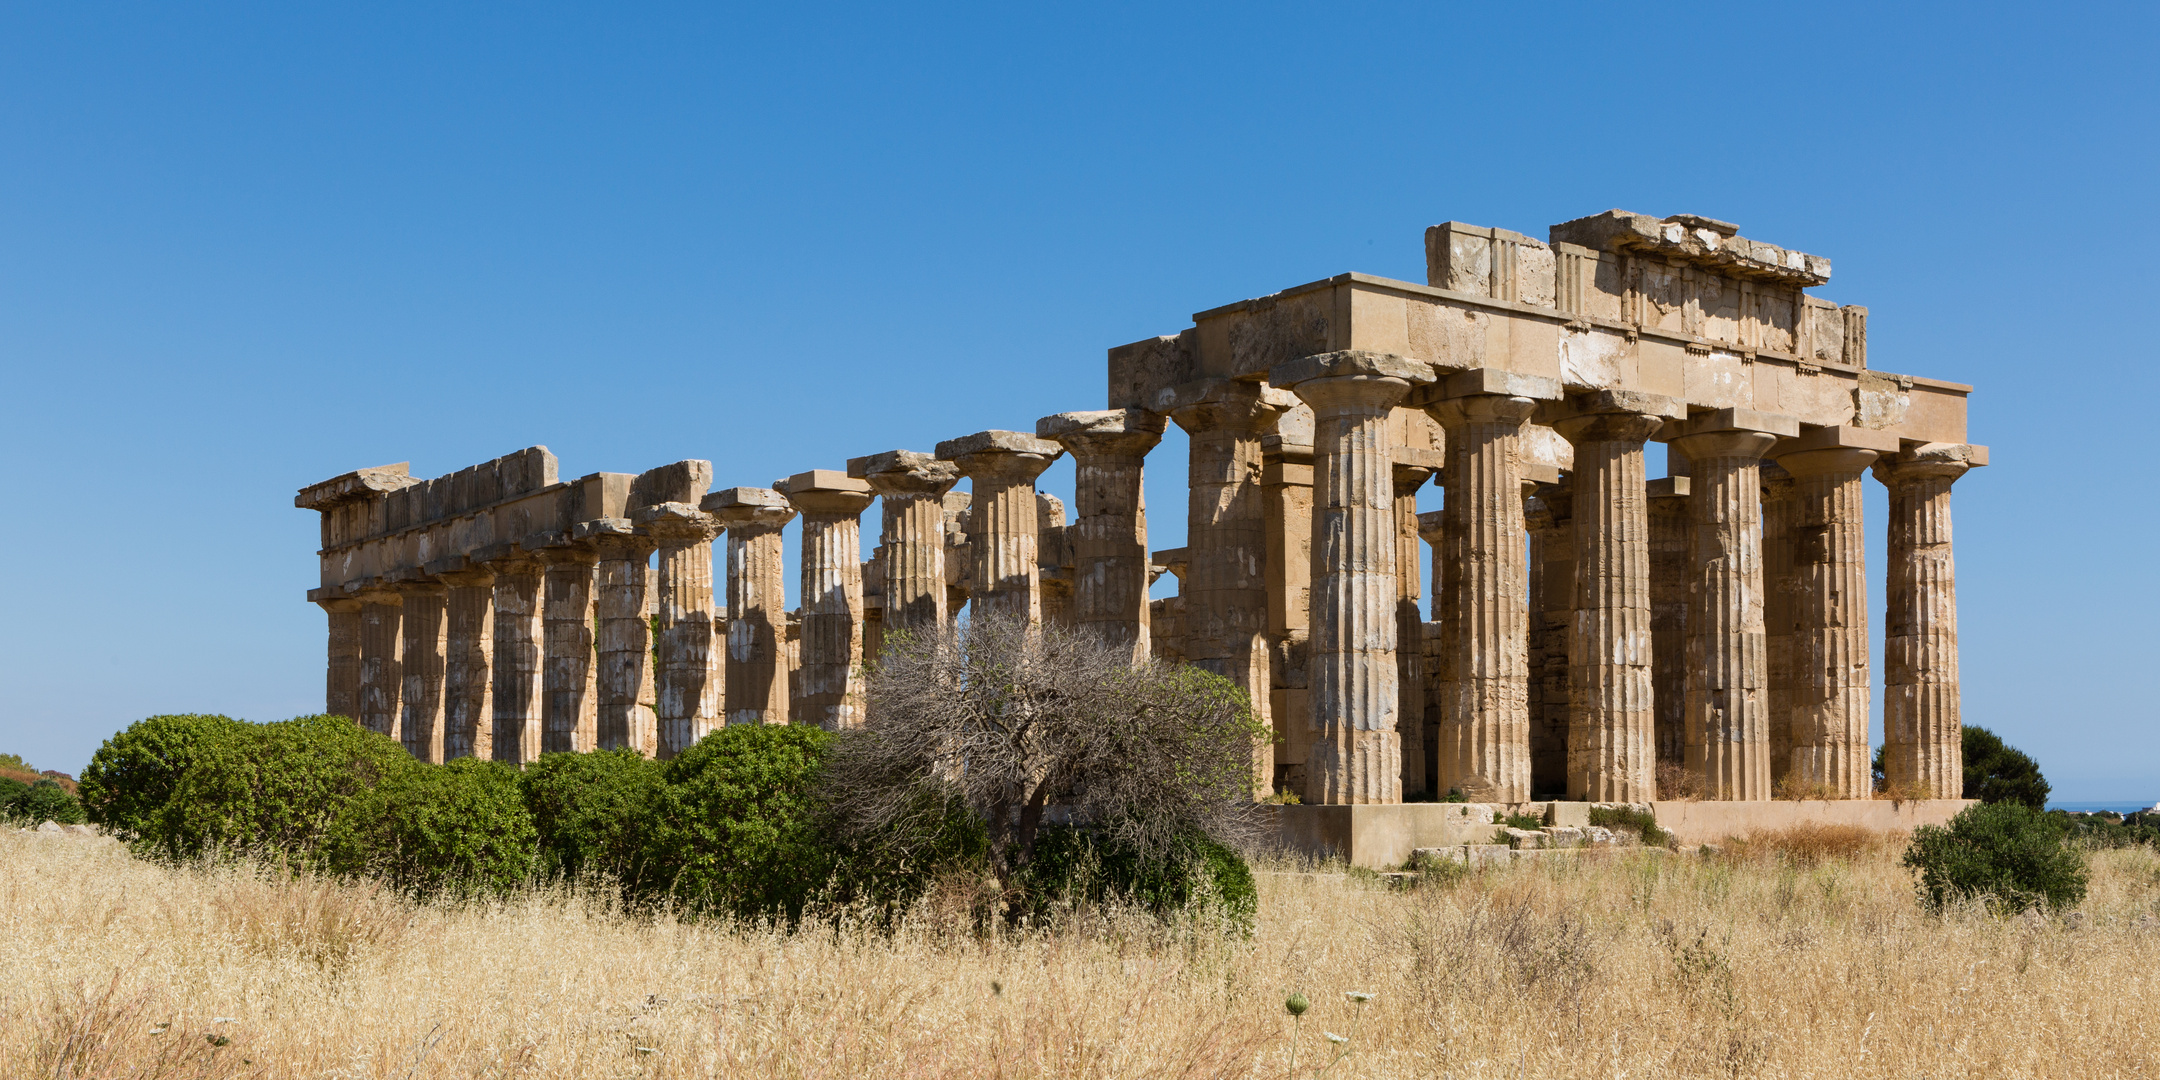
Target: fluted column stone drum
(831,504)
(1923,752)
(1109,531)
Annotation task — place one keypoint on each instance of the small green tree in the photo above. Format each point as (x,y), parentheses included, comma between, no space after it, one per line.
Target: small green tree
(2004,852)
(737,826)
(594,813)
(272,787)
(37,803)
(135,773)
(459,829)
(1997,772)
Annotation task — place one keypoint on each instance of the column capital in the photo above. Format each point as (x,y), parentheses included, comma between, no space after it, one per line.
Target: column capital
(1224,404)
(1000,456)
(905,473)
(1669,487)
(1432,527)
(1929,461)
(378,591)
(1732,433)
(1109,435)
(614,539)
(676,523)
(335,605)
(1413,468)
(748,509)
(1480,383)
(1834,449)
(827,491)
(1533,475)
(1359,365)
(1614,416)
(1549,506)
(415,582)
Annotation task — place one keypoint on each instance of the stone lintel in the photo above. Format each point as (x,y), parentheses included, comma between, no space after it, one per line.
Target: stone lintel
(1277,449)
(1666,487)
(737,498)
(1349,362)
(1968,454)
(1486,381)
(1009,442)
(333,598)
(1838,438)
(1737,420)
(357,484)
(1689,238)
(1175,560)
(1412,457)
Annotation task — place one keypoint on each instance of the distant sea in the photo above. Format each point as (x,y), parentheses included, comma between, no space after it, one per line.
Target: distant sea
(2118,807)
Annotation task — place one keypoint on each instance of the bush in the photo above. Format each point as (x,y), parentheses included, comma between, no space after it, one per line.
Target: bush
(1642,823)
(1197,875)
(2005,853)
(459,829)
(2096,831)
(134,774)
(593,813)
(272,788)
(35,804)
(737,825)
(1996,772)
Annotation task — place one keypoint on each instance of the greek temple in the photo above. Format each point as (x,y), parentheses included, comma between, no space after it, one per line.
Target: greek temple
(1590,622)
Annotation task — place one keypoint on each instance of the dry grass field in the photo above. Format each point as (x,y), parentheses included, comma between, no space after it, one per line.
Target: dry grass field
(1800,958)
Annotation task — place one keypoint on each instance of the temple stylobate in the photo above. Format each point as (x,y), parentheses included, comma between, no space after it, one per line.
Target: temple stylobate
(1590,627)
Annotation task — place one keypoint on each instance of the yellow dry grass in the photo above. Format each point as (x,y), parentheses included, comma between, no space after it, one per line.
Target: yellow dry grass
(1643,965)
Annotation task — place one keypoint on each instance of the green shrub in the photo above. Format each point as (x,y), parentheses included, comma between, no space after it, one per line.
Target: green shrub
(460,829)
(2096,831)
(593,813)
(1199,876)
(134,774)
(1642,823)
(2004,852)
(1530,822)
(34,804)
(271,788)
(1997,772)
(737,827)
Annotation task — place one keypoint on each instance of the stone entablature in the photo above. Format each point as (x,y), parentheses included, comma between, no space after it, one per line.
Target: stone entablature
(1590,623)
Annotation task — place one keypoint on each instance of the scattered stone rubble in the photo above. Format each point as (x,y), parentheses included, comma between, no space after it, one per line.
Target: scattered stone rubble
(1589,620)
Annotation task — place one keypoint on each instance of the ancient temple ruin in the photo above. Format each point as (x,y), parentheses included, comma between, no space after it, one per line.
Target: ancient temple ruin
(1588,621)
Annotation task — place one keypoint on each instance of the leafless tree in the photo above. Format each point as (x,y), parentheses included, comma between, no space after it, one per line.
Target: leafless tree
(1009,721)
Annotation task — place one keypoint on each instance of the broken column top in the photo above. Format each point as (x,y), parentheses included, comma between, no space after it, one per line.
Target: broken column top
(1692,238)
(1010,442)
(357,484)
(682,482)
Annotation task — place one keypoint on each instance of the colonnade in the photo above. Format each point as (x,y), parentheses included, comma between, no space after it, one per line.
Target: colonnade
(1587,625)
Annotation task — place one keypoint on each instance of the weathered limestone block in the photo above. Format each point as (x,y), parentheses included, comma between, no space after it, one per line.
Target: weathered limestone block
(622,594)
(757,671)
(686,679)
(831,504)
(420,724)
(570,707)
(1485,734)
(1109,539)
(1489,262)
(1727,715)
(1923,738)
(1611,715)
(1224,615)
(1002,521)
(341,689)
(382,679)
(518,632)
(468,659)
(911,488)
(1668,498)
(1355,697)
(1831,686)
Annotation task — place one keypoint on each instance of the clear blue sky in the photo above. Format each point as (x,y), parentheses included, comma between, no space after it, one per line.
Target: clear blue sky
(243,248)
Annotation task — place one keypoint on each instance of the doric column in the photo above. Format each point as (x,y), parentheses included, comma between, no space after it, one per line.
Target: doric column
(518,636)
(1109,534)
(1224,614)
(1485,735)
(569,707)
(1828,608)
(1727,717)
(686,675)
(1611,716)
(1668,499)
(831,504)
(1409,476)
(1923,755)
(1002,522)
(911,491)
(1053,561)
(1548,515)
(382,677)
(1286,486)
(1432,529)
(420,714)
(1355,697)
(468,657)
(1780,508)
(341,682)
(623,636)
(757,671)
